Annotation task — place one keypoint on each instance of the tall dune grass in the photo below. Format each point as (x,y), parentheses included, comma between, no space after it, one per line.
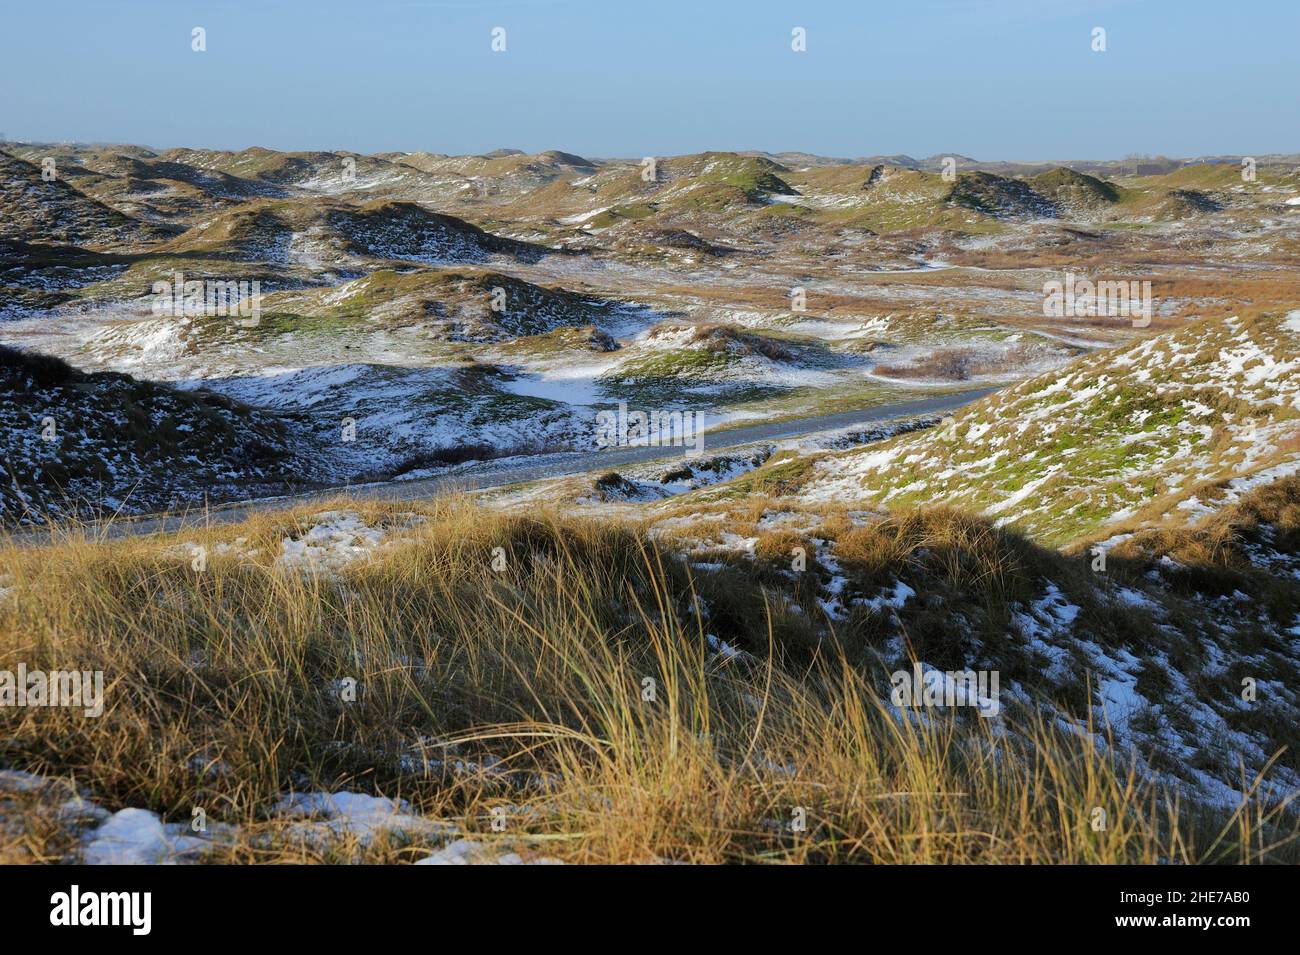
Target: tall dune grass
(576,687)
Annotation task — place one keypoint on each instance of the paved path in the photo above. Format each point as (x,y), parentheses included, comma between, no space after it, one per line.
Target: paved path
(485,475)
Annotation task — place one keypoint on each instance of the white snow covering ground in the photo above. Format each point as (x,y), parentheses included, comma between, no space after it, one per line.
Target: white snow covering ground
(358,815)
(336,539)
(320,819)
(140,837)
(469,852)
(339,538)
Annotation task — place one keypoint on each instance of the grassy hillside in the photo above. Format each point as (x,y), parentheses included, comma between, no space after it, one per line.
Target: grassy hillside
(55,211)
(1157,430)
(1074,192)
(338,233)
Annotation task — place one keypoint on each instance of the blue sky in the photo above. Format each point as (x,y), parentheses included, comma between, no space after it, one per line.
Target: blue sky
(991,79)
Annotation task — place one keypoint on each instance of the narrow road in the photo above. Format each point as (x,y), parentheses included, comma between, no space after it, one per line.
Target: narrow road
(486,475)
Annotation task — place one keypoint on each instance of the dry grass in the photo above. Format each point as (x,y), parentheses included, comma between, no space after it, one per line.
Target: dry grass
(222,694)
(962,364)
(1221,543)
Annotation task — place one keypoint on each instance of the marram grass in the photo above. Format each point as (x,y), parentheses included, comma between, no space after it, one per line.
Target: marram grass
(573,691)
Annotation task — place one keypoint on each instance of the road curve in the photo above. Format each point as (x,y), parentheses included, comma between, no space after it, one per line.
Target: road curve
(485,475)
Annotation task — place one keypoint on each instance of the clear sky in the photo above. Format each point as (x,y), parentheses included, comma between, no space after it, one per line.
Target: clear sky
(991,79)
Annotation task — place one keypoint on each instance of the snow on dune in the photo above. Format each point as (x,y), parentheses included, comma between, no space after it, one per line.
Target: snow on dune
(1094,443)
(339,538)
(319,819)
(140,837)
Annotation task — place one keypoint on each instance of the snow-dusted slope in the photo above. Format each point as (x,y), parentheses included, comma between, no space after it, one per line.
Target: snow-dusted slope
(1162,430)
(79,444)
(34,206)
